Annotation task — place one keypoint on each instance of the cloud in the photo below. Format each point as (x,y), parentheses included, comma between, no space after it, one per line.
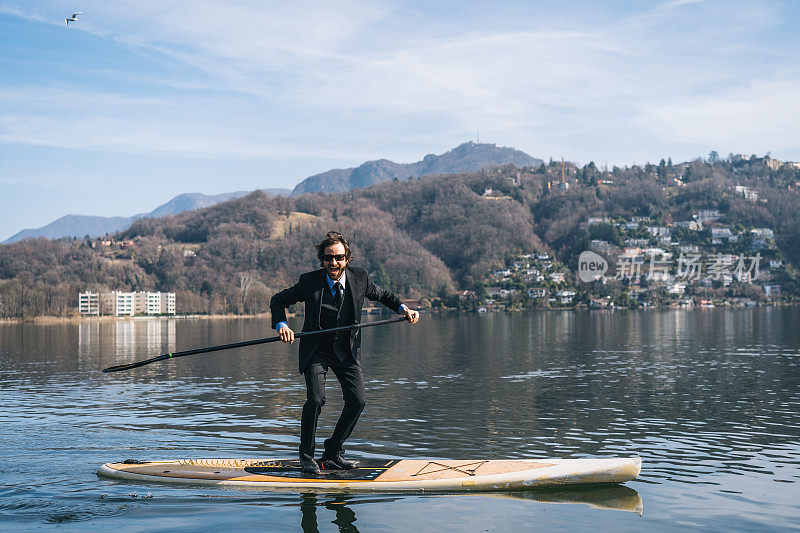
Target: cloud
(679,3)
(761,117)
(63,117)
(363,67)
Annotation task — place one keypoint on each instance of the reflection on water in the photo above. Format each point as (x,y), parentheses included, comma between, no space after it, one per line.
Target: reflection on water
(345,517)
(707,398)
(343,507)
(126,338)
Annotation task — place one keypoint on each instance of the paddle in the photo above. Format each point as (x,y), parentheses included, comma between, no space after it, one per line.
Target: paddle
(166,356)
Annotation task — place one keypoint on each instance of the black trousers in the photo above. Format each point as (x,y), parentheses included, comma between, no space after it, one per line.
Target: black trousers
(352,382)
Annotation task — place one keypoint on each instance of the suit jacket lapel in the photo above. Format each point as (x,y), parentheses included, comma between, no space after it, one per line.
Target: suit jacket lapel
(353,281)
(318,295)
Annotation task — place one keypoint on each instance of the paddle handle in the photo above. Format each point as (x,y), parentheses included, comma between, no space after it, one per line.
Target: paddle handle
(242,344)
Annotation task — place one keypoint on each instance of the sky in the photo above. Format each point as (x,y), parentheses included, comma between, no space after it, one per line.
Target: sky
(137,102)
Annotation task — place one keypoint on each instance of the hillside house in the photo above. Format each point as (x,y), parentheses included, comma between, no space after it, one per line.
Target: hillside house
(537,292)
(600,246)
(707,215)
(691,225)
(566,296)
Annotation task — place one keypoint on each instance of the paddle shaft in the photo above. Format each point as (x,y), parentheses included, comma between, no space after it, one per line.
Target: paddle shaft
(242,344)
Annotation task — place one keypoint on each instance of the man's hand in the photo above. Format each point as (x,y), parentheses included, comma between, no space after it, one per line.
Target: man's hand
(286,334)
(411,315)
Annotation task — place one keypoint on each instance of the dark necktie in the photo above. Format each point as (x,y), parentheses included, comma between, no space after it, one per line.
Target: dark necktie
(337,298)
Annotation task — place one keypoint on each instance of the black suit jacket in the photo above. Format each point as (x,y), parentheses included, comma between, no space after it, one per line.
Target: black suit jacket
(309,290)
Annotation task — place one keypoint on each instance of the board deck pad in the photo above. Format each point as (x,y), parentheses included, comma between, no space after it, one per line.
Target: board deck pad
(382,474)
(366,469)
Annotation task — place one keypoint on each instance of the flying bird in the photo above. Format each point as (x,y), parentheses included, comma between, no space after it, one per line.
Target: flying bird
(73,18)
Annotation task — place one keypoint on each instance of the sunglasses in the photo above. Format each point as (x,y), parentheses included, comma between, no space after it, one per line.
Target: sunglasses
(330,257)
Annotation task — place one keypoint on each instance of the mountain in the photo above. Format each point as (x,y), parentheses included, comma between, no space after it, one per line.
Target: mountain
(74,226)
(464,158)
(94,226)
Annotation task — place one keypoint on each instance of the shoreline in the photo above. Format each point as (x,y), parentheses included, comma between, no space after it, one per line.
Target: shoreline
(81,319)
(43,320)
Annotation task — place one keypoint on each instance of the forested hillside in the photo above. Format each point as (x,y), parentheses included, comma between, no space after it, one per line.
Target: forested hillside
(422,238)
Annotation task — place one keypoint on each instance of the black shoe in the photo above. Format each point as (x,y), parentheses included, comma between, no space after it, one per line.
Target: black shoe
(337,462)
(309,466)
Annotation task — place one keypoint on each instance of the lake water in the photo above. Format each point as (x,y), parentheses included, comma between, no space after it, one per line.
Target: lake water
(708,398)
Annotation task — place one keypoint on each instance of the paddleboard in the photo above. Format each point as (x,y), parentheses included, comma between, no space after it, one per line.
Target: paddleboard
(382,475)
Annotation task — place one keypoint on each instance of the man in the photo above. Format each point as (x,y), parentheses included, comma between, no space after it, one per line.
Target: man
(333,297)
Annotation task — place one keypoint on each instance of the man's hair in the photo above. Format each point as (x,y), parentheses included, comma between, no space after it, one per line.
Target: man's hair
(330,239)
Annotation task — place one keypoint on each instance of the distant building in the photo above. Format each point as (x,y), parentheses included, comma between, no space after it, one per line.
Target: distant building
(89,303)
(117,303)
(763,233)
(537,292)
(776,164)
(465,296)
(600,246)
(492,292)
(658,231)
(168,303)
(689,224)
(707,215)
(677,288)
(654,252)
(746,193)
(154,303)
(772,291)
(632,250)
(565,297)
(120,303)
(598,303)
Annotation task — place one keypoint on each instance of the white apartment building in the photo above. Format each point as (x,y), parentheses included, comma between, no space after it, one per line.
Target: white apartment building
(167,303)
(153,303)
(147,303)
(118,303)
(89,303)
